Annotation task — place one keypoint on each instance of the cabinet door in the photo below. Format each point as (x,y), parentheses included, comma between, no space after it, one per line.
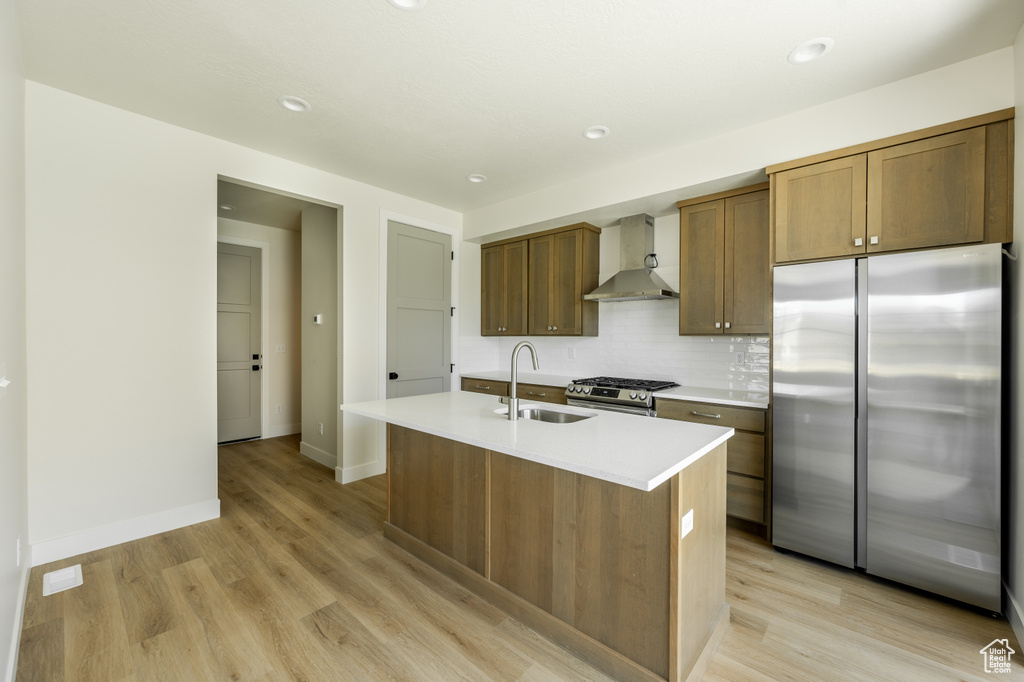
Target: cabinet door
(747,303)
(541,265)
(567,284)
(492,291)
(515,287)
(927,193)
(820,210)
(701,275)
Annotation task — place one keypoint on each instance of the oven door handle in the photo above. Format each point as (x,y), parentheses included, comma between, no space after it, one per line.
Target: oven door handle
(595,405)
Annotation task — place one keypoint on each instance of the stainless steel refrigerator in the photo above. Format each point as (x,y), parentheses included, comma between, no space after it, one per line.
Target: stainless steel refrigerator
(886,388)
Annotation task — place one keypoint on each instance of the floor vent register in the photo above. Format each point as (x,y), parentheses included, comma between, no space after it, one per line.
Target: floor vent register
(64,579)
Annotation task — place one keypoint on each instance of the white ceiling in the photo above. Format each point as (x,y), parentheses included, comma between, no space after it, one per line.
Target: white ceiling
(416,101)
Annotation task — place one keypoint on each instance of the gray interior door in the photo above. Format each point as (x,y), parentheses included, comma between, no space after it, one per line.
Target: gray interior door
(239,356)
(419,311)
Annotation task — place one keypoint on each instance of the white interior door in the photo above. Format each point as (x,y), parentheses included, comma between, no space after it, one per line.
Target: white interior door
(419,311)
(239,356)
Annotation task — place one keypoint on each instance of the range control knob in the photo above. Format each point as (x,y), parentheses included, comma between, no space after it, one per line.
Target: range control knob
(643,396)
(632,395)
(586,389)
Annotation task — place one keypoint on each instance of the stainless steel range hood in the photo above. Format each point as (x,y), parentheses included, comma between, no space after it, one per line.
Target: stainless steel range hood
(634,281)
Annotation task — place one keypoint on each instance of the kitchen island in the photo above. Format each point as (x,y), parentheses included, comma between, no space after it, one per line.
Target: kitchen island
(580,530)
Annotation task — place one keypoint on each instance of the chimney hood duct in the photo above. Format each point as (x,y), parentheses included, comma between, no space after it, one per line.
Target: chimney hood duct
(634,281)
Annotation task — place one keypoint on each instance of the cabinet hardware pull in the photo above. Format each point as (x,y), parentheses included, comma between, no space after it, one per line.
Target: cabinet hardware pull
(554,329)
(486,388)
(874,240)
(858,242)
(709,416)
(540,395)
(549,327)
(728,325)
(718,325)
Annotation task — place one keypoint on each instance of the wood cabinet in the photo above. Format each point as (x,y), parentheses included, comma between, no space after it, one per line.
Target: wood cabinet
(535,285)
(938,187)
(482,386)
(749,453)
(724,263)
(503,288)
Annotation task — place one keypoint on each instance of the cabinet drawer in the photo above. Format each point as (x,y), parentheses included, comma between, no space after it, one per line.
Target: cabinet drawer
(747,419)
(746,454)
(744,497)
(544,394)
(482,386)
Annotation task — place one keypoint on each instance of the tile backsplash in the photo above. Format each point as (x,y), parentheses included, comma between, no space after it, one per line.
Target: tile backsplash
(637,339)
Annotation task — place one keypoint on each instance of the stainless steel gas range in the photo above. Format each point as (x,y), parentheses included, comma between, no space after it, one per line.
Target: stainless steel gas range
(633,396)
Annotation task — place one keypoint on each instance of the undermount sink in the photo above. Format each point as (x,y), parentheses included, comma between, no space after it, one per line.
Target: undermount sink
(551,416)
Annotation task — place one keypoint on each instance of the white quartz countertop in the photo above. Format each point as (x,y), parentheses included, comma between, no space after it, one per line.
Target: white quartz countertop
(703,395)
(639,452)
(718,396)
(523,378)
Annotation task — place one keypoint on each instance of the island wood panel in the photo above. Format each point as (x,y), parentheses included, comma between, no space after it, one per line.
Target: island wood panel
(927,193)
(437,493)
(592,553)
(697,592)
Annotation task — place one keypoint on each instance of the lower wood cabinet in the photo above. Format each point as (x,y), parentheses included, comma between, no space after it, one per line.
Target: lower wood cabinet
(749,459)
(532,392)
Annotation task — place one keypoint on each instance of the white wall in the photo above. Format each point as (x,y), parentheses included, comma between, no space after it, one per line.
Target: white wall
(121,270)
(968,88)
(13,429)
(320,341)
(283,369)
(1015,410)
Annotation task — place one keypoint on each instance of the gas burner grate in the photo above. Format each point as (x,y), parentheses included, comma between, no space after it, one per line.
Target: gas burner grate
(619,382)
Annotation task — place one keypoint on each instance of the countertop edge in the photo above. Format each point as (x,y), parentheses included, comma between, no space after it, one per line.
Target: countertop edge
(600,474)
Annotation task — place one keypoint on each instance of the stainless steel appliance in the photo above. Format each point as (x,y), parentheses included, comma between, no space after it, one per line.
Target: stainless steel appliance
(886,398)
(633,396)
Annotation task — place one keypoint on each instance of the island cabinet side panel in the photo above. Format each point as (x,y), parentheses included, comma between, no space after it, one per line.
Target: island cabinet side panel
(594,554)
(698,564)
(437,493)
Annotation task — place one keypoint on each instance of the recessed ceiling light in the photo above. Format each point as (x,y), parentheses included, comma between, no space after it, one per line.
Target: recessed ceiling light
(811,50)
(294,103)
(408,5)
(476,177)
(595,132)
(226,207)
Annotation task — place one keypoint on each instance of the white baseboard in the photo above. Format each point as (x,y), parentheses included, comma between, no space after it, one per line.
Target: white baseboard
(360,471)
(284,430)
(125,531)
(1014,614)
(318,455)
(19,613)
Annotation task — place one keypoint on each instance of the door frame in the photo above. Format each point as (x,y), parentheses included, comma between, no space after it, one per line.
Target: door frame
(382,318)
(264,248)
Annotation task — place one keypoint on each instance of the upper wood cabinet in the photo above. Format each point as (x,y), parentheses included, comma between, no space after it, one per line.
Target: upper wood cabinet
(563,267)
(937,187)
(535,285)
(503,287)
(724,263)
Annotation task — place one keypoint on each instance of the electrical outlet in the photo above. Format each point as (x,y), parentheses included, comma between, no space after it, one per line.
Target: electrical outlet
(739,357)
(686,525)
(321,428)
(572,352)
(280,409)
(280,348)
(18,552)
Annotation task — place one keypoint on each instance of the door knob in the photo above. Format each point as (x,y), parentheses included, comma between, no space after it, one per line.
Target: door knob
(392,375)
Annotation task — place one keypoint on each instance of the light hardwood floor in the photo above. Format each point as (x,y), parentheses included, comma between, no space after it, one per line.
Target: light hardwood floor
(295,582)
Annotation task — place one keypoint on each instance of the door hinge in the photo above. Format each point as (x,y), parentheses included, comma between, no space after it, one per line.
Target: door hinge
(453,311)
(452,370)
(453,255)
